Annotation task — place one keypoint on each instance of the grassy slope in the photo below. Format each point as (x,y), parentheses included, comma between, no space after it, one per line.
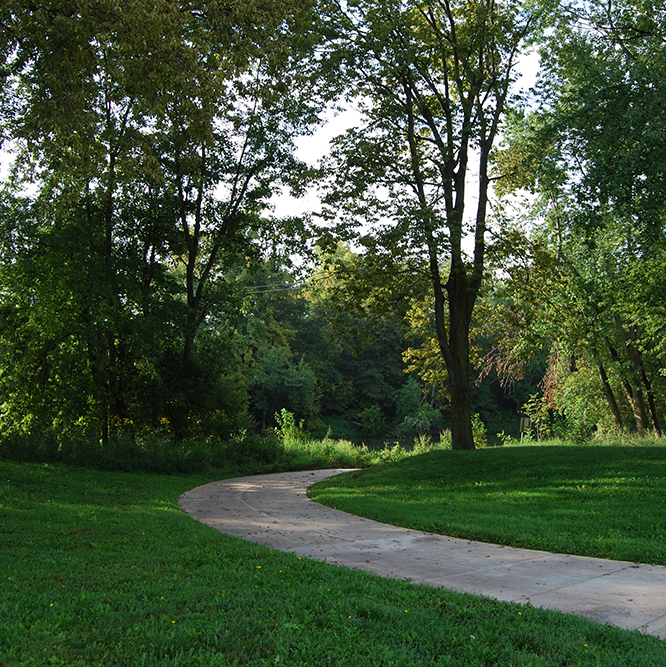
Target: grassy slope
(593,501)
(104,569)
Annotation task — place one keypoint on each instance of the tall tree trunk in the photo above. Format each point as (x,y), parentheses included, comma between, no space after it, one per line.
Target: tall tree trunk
(96,342)
(634,394)
(651,402)
(113,397)
(459,388)
(635,397)
(635,370)
(454,346)
(608,393)
(96,348)
(112,298)
(461,300)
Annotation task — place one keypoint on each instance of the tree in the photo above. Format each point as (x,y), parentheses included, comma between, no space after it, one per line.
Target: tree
(156,136)
(594,155)
(434,79)
(310,349)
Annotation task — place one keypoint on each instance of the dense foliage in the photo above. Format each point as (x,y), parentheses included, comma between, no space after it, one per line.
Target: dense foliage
(589,284)
(148,142)
(151,299)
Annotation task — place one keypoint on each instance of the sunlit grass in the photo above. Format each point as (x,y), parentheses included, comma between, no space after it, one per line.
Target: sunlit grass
(103,568)
(596,501)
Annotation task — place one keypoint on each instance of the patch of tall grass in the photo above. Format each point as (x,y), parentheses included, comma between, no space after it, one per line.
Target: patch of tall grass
(287,447)
(302,451)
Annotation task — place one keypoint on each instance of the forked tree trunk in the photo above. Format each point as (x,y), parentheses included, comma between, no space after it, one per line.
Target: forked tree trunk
(633,382)
(635,398)
(478,74)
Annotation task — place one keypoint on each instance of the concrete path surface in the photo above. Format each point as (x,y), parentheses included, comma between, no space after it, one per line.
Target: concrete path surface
(274,510)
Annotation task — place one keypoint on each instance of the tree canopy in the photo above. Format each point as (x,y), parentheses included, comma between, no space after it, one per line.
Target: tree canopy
(149,288)
(155,135)
(434,79)
(591,150)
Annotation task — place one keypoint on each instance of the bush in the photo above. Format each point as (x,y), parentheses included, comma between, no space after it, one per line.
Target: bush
(372,420)
(247,448)
(507,440)
(425,421)
(287,432)
(444,439)
(287,447)
(302,451)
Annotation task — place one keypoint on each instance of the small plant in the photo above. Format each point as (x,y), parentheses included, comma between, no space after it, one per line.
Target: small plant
(423,443)
(445,439)
(287,431)
(388,455)
(479,432)
(507,440)
(536,408)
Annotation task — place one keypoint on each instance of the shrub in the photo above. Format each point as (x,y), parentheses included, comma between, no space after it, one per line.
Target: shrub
(507,440)
(372,420)
(246,448)
(479,432)
(425,421)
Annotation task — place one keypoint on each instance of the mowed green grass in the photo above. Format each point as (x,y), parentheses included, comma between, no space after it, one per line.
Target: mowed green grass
(608,502)
(104,569)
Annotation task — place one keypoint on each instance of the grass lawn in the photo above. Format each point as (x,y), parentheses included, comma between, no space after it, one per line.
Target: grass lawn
(587,500)
(100,568)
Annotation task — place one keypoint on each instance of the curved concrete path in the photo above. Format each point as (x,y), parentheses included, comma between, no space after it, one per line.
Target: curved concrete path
(274,510)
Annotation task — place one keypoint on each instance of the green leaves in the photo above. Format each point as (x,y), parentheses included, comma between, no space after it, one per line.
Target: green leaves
(156,136)
(591,151)
(433,79)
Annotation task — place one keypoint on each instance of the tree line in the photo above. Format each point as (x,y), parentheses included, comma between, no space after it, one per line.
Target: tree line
(147,285)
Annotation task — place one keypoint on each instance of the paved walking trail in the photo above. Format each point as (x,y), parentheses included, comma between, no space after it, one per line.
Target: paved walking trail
(274,510)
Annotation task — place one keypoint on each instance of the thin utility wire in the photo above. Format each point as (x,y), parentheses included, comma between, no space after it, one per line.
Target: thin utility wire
(275,289)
